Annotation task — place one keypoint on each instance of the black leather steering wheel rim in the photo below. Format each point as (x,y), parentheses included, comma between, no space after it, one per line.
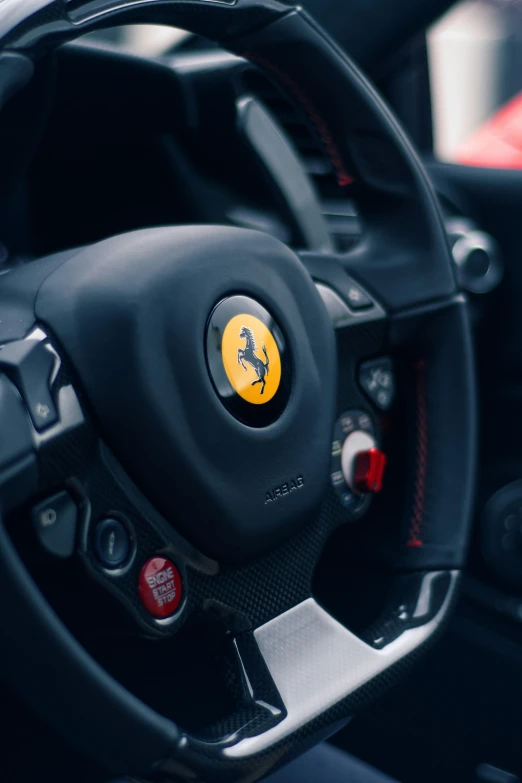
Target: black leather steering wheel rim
(405,264)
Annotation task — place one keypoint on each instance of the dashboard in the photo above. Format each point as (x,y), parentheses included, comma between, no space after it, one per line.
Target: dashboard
(208,138)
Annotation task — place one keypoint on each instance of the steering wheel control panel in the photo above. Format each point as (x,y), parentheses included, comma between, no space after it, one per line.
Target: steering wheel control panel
(81,509)
(357,464)
(378,383)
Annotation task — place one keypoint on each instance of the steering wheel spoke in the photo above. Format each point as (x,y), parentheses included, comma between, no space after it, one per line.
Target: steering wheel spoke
(306,652)
(305,670)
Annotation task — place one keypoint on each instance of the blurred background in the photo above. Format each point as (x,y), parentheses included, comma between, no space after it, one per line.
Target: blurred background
(475,63)
(475,55)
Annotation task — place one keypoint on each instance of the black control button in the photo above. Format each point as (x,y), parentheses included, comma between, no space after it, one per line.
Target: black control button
(55,522)
(348,423)
(29,365)
(357,298)
(364,422)
(377,380)
(337,479)
(112,543)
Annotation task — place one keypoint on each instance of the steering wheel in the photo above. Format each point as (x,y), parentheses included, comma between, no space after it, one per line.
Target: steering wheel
(184,412)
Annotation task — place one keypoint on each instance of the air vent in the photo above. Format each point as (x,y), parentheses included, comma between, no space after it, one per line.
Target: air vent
(340,212)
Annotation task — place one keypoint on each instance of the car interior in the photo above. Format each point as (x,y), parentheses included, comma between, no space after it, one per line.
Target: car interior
(260,368)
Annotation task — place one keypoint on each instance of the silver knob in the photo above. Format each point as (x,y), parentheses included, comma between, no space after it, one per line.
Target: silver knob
(477,258)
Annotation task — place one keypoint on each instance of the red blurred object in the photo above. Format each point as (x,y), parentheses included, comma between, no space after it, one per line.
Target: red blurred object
(498,142)
(369,470)
(160,587)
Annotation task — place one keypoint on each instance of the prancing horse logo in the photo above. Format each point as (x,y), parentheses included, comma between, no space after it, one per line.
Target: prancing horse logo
(248,354)
(246,367)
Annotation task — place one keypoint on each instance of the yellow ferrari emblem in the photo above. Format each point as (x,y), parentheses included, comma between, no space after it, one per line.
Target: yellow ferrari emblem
(251,359)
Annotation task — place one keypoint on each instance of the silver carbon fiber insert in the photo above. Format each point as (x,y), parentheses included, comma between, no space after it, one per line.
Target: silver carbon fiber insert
(315,661)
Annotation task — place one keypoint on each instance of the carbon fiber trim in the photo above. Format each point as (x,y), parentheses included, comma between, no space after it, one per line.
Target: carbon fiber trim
(316,662)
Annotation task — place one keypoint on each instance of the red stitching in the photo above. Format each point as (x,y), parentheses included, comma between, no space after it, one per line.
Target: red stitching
(419,494)
(343,178)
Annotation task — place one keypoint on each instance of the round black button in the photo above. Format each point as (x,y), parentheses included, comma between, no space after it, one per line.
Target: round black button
(112,542)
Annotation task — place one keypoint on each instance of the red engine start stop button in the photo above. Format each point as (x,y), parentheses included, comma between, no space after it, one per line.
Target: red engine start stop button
(160,587)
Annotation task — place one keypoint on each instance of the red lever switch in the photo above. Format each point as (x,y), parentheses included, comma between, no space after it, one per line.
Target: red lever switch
(369,471)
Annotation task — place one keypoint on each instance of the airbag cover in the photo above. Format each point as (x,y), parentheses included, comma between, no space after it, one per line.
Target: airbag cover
(132,313)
